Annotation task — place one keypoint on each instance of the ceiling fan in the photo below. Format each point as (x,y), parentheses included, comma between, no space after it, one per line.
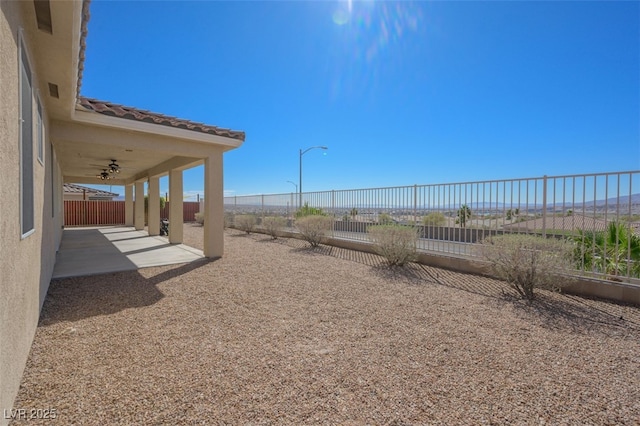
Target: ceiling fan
(114,167)
(104,175)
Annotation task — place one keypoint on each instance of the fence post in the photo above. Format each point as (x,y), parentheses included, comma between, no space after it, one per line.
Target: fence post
(333,210)
(415,204)
(333,202)
(262,209)
(544,206)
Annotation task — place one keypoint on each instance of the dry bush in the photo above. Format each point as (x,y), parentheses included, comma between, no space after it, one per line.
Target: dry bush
(528,262)
(434,219)
(245,222)
(228,220)
(199,217)
(396,243)
(314,228)
(273,225)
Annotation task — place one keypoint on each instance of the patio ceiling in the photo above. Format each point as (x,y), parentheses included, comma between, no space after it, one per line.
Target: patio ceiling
(82,162)
(85,147)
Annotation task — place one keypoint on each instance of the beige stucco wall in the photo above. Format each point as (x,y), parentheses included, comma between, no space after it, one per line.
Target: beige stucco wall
(27,264)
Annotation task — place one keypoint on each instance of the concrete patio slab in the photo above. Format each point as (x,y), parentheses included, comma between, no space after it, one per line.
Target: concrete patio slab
(100,250)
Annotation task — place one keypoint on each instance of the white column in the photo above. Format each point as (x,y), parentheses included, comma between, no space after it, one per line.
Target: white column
(175,207)
(128,205)
(154,206)
(213,206)
(138,216)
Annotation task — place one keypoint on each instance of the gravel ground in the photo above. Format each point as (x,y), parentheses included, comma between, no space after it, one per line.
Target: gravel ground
(276,333)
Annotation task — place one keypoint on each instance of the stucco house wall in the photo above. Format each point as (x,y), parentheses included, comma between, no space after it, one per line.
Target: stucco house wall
(27,262)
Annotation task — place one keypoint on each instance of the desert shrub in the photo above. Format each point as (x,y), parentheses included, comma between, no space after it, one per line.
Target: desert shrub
(434,219)
(199,218)
(273,225)
(385,219)
(228,220)
(528,262)
(314,228)
(245,222)
(307,210)
(396,243)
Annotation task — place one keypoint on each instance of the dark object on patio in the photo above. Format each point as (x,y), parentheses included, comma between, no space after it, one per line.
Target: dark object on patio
(164,227)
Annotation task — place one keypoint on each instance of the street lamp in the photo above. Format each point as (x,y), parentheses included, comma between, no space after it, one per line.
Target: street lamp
(294,184)
(292,202)
(301,154)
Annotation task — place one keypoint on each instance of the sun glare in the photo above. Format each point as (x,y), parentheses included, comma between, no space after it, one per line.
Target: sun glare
(376,25)
(341,15)
(371,31)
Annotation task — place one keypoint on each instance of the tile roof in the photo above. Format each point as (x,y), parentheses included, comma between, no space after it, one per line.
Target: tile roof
(71,188)
(564,223)
(129,113)
(84,30)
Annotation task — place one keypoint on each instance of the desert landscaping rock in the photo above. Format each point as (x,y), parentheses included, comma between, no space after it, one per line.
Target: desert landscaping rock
(276,333)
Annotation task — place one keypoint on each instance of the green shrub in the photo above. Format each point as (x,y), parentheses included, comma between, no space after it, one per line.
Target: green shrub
(274,225)
(306,210)
(384,219)
(314,228)
(434,219)
(464,213)
(396,243)
(614,251)
(245,222)
(528,262)
(163,202)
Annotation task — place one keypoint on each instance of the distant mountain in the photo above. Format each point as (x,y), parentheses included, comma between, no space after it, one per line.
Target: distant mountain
(623,200)
(487,206)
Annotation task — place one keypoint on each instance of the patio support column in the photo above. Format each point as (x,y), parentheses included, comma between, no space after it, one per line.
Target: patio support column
(213,206)
(138,216)
(154,205)
(128,205)
(175,207)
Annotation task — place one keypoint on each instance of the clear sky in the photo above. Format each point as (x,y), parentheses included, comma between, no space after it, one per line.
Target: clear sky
(402,93)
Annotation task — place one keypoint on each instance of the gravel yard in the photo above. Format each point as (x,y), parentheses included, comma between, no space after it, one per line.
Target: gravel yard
(276,333)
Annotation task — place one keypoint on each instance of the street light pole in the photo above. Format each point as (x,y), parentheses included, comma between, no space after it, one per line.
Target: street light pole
(301,154)
(294,184)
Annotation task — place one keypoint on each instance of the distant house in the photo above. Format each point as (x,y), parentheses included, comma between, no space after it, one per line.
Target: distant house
(51,135)
(567,223)
(75,192)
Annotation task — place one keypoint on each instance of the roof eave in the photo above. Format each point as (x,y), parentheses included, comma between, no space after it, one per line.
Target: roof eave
(97,119)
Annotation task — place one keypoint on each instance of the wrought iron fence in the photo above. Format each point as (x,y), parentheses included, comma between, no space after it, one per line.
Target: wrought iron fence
(600,212)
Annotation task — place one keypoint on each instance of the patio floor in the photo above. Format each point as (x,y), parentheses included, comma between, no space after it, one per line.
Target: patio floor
(100,250)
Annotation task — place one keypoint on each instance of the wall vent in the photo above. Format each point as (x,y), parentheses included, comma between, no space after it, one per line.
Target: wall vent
(43,15)
(53,90)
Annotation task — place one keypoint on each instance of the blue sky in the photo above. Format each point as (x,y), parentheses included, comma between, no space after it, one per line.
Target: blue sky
(402,93)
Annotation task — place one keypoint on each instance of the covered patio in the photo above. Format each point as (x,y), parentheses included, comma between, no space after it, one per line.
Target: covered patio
(101,250)
(145,146)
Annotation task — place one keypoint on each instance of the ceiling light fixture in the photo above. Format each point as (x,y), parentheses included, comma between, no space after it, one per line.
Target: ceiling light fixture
(104,175)
(114,167)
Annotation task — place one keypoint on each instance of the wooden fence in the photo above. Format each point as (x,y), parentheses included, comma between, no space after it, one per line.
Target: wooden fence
(94,213)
